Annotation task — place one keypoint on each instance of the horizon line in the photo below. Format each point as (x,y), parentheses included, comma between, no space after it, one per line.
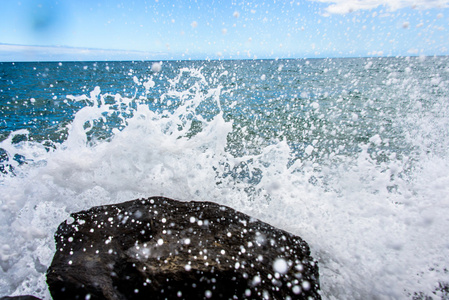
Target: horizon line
(223,59)
(147,55)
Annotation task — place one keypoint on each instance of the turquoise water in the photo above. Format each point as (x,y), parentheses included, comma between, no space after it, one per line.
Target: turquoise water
(350,154)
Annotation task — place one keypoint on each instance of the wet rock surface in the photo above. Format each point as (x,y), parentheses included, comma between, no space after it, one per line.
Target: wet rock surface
(159,248)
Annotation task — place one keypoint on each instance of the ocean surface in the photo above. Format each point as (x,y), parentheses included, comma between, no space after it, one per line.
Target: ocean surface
(350,154)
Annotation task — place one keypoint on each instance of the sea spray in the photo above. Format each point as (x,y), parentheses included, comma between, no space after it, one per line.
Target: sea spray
(353,160)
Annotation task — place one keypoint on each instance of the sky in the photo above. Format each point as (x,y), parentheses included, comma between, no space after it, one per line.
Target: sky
(81,30)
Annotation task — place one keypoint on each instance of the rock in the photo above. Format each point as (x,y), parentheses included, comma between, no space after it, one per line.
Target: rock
(26,297)
(159,248)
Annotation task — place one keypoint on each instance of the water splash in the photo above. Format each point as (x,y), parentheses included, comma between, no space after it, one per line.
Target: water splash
(371,201)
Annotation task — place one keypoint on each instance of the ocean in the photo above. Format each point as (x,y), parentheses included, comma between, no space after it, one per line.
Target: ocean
(351,154)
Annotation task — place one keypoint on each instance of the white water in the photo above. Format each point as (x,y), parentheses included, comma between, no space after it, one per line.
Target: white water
(371,244)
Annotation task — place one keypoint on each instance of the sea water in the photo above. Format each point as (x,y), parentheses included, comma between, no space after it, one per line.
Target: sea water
(350,154)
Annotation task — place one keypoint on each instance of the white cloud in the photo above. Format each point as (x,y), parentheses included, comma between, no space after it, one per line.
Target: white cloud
(10,52)
(413,51)
(347,6)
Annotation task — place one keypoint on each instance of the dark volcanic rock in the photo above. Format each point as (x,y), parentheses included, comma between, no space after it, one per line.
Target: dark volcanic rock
(160,248)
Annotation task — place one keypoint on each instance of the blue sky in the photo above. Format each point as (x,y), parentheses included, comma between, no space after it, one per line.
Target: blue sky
(210,29)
